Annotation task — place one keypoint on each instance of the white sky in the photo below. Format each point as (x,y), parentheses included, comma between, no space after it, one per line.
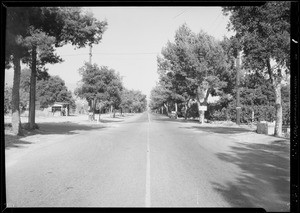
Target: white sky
(132,41)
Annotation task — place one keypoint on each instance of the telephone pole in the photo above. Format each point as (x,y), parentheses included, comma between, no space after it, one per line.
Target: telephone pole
(238,107)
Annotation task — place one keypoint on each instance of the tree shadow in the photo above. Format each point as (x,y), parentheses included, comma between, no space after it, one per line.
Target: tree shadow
(110,120)
(13,141)
(265,177)
(65,128)
(48,128)
(159,117)
(219,129)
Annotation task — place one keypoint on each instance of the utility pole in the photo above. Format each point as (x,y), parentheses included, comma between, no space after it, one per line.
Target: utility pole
(90,54)
(238,107)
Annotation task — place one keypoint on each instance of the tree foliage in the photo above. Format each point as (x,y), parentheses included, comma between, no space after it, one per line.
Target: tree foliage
(49,90)
(190,68)
(7,99)
(28,27)
(133,101)
(100,84)
(53,90)
(264,35)
(158,96)
(256,95)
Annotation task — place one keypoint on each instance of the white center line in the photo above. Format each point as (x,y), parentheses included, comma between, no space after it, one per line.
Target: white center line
(148,197)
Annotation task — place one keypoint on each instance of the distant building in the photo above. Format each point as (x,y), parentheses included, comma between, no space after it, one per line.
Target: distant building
(62,107)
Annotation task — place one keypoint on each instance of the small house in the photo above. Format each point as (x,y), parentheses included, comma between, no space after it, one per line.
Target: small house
(62,107)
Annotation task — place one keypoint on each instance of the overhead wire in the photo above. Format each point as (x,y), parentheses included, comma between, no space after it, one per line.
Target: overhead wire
(219,22)
(180,13)
(137,53)
(212,24)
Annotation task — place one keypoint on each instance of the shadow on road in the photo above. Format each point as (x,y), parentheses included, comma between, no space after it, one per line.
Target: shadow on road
(111,120)
(265,177)
(218,129)
(48,128)
(159,117)
(12,141)
(65,128)
(212,129)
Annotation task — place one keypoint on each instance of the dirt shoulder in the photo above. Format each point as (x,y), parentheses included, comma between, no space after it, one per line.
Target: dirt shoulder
(54,127)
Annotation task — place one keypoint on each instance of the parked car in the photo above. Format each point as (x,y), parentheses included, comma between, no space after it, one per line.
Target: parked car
(173,114)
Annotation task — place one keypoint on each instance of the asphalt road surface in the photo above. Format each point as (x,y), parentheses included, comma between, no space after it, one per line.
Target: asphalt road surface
(149,160)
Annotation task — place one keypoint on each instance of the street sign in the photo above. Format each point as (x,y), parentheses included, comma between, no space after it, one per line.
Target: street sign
(203,108)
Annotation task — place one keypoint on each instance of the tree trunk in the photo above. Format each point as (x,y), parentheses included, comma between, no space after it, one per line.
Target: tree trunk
(111,110)
(15,120)
(31,118)
(278,106)
(94,108)
(185,110)
(227,114)
(99,108)
(238,107)
(201,113)
(276,82)
(167,110)
(202,95)
(176,110)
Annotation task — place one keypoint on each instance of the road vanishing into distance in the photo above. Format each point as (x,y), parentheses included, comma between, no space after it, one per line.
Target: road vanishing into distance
(150,160)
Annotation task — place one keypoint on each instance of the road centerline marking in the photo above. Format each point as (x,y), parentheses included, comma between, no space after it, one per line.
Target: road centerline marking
(147,196)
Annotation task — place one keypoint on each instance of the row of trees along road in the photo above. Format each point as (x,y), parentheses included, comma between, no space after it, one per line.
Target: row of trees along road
(191,68)
(33,33)
(264,35)
(102,87)
(50,89)
(195,66)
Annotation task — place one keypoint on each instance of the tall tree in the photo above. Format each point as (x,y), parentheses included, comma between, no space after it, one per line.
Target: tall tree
(16,27)
(74,26)
(66,25)
(53,90)
(49,90)
(98,85)
(264,32)
(39,44)
(159,98)
(133,101)
(114,89)
(195,62)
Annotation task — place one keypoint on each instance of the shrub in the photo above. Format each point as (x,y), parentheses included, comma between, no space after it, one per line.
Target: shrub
(193,111)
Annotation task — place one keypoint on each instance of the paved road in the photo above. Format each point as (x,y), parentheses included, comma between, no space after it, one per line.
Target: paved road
(150,161)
